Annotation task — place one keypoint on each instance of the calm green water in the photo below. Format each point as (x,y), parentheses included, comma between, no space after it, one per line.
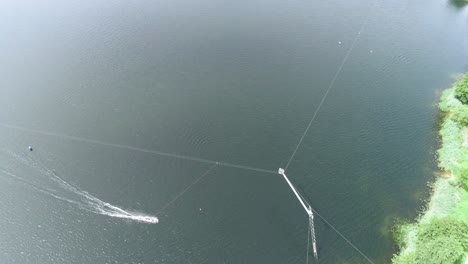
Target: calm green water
(235,82)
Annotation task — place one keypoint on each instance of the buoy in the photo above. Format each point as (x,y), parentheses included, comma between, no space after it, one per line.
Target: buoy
(30,148)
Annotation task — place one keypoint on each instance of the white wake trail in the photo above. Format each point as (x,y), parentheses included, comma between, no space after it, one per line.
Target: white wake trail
(86,201)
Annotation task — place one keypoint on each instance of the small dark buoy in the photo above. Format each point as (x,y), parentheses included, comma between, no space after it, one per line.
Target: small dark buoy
(30,148)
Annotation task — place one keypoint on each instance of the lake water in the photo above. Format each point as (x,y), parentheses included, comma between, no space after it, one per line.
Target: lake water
(235,82)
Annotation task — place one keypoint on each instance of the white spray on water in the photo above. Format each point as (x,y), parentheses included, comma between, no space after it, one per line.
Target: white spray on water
(85,200)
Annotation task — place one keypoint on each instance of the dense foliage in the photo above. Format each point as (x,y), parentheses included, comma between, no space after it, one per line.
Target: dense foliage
(439,250)
(461,90)
(444,227)
(463,176)
(460,115)
(442,240)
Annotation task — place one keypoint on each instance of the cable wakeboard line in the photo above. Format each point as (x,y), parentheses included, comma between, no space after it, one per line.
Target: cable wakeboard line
(133,148)
(332,82)
(186,189)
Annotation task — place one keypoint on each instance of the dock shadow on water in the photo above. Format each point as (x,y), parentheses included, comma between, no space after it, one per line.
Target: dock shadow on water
(78,197)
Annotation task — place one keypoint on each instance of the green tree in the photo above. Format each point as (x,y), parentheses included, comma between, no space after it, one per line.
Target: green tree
(460,115)
(443,240)
(444,227)
(463,175)
(461,90)
(440,250)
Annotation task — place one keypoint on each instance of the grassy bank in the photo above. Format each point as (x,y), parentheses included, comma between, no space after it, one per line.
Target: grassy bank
(440,234)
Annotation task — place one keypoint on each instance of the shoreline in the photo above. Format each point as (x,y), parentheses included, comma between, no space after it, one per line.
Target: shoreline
(440,233)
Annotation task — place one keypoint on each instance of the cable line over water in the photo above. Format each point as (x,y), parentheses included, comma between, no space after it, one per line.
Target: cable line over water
(332,83)
(342,236)
(128,147)
(186,189)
